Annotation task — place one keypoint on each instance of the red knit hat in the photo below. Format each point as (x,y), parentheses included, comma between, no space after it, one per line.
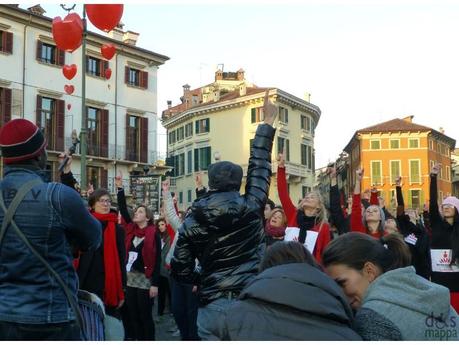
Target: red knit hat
(20,140)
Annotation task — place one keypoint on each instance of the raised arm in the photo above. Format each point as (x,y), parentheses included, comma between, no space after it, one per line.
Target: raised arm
(356,214)
(400,201)
(335,203)
(433,202)
(169,209)
(121,199)
(282,191)
(259,171)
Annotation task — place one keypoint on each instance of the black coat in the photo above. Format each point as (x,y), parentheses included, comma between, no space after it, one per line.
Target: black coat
(224,230)
(291,302)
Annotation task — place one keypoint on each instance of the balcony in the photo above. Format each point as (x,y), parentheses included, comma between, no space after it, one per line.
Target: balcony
(117,152)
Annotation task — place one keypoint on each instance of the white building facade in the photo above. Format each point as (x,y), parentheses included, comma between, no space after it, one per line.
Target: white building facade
(121,110)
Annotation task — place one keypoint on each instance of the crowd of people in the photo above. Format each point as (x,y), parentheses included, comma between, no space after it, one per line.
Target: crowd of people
(233,266)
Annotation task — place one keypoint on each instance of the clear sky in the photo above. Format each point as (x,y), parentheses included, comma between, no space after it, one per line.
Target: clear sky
(363,62)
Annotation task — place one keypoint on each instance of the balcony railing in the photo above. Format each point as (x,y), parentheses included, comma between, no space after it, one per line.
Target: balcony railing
(118,152)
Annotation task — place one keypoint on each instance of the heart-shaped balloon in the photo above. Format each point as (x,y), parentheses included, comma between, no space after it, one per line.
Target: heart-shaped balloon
(69,71)
(105,16)
(68,33)
(69,89)
(108,51)
(108,73)
(69,106)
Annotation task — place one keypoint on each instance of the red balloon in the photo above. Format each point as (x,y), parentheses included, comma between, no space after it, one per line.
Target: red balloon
(69,106)
(69,89)
(108,73)
(108,51)
(105,16)
(69,71)
(68,33)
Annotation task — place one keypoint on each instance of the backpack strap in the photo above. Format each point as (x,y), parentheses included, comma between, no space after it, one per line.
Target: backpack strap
(8,219)
(20,195)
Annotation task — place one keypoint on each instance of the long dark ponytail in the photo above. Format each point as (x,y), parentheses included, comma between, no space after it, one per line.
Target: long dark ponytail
(355,249)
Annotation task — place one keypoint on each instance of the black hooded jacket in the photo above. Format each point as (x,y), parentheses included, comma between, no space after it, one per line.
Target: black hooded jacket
(224,230)
(291,302)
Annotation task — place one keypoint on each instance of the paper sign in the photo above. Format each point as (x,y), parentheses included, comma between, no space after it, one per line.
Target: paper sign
(132,258)
(292,234)
(411,239)
(441,259)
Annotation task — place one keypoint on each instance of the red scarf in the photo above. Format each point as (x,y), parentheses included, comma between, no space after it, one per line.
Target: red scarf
(113,288)
(274,231)
(149,245)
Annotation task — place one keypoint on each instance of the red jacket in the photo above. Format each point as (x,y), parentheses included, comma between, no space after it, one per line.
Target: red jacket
(290,211)
(356,214)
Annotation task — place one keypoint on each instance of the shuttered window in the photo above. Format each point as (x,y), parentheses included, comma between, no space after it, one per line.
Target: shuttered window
(50,54)
(50,118)
(135,77)
(376,172)
(5,105)
(415,171)
(6,42)
(202,158)
(96,67)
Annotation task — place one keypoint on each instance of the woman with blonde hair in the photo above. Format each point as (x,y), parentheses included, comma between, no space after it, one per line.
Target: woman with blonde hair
(311,214)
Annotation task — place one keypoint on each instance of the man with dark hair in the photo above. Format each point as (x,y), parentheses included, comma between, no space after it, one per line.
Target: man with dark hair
(33,305)
(224,231)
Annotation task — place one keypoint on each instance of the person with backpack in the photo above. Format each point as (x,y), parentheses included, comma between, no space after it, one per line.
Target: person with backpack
(38,284)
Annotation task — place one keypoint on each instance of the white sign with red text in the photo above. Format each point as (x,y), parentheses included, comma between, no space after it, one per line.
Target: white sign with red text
(292,234)
(441,259)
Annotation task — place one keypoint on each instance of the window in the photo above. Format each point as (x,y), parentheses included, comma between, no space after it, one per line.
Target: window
(93,131)
(394,144)
(413,143)
(50,54)
(305,190)
(180,198)
(97,176)
(172,137)
(307,156)
(448,173)
(202,126)
(283,114)
(202,158)
(180,134)
(189,162)
(281,144)
(96,67)
(135,77)
(375,144)
(50,118)
(305,122)
(6,42)
(441,195)
(188,129)
(394,171)
(189,197)
(256,115)
(431,145)
(440,174)
(415,171)
(132,138)
(438,147)
(415,198)
(313,127)
(376,173)
(5,105)
(180,165)
(443,149)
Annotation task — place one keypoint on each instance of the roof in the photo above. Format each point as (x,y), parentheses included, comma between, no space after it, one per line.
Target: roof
(119,43)
(223,98)
(395,125)
(400,125)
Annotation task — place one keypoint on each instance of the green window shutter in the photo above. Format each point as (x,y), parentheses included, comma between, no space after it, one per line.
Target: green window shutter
(253,117)
(196,159)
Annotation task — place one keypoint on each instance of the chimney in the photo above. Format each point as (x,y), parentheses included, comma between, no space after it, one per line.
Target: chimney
(219,75)
(169,104)
(441,130)
(240,74)
(130,37)
(117,33)
(307,97)
(242,89)
(37,9)
(216,95)
(408,119)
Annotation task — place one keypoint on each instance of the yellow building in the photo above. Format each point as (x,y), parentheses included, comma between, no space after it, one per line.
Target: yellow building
(221,119)
(401,147)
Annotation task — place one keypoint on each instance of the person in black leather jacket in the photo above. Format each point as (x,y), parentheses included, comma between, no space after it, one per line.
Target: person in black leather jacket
(224,231)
